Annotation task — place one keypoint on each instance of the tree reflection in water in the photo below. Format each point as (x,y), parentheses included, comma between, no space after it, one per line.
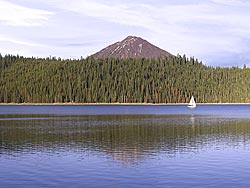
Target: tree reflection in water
(126,138)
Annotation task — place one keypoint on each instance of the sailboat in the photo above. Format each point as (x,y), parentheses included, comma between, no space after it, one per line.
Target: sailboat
(192,103)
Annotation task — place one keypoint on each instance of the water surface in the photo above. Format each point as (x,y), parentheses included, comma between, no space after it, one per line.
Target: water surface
(125,146)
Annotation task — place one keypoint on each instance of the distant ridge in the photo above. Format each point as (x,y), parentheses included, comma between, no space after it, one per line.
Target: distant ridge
(132,47)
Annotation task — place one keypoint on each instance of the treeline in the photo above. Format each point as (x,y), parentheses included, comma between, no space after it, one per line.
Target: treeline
(159,80)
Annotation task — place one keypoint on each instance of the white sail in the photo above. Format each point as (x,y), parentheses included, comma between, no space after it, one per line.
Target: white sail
(192,103)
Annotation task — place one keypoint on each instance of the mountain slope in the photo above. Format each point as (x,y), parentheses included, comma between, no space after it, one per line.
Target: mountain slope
(131,47)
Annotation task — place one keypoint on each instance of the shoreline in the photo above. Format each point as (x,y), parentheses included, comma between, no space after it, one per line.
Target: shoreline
(113,104)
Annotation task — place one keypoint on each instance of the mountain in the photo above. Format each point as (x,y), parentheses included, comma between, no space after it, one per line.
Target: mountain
(131,47)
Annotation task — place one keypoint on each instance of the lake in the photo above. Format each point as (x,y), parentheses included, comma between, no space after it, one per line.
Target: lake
(124,146)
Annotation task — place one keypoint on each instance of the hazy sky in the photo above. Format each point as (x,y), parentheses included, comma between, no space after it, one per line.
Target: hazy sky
(215,31)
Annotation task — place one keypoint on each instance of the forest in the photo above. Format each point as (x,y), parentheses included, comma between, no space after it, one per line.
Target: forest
(109,80)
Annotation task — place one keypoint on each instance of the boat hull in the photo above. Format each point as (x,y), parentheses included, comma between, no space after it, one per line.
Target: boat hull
(191,107)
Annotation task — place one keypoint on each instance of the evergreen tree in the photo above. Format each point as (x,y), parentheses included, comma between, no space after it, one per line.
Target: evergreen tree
(138,80)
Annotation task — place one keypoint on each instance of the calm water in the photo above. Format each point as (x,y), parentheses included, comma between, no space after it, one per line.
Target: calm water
(125,146)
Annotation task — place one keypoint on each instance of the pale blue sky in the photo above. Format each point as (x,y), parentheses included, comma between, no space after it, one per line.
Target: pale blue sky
(215,31)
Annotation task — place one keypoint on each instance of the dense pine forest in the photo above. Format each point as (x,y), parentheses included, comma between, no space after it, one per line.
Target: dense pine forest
(110,80)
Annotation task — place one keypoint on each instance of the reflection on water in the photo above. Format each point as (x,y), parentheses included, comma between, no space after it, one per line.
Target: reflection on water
(173,150)
(125,138)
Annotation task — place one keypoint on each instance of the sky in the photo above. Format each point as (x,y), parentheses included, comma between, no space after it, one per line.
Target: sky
(217,32)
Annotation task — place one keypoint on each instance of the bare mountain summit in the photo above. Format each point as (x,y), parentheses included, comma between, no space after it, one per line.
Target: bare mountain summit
(131,47)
